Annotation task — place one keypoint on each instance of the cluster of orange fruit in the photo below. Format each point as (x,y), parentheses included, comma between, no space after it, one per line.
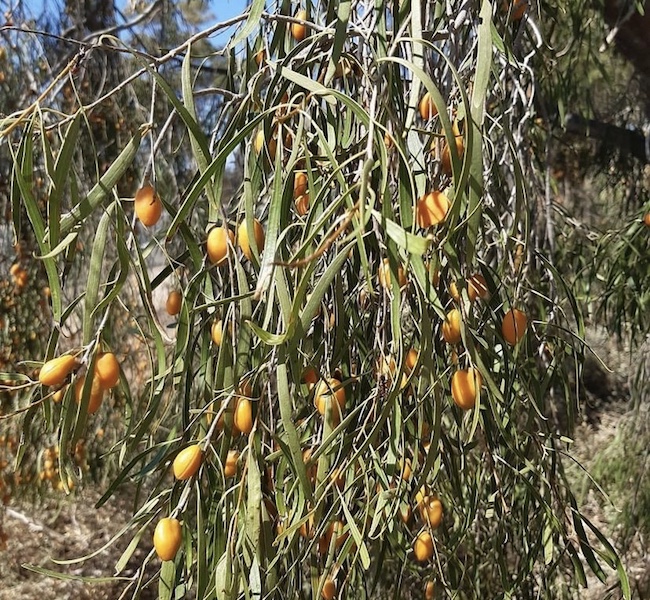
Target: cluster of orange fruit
(106,375)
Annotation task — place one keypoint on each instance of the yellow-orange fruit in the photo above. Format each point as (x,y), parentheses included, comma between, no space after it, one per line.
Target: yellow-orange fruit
(58,395)
(173,303)
(477,287)
(230,468)
(519,8)
(646,219)
(244,241)
(454,291)
(445,157)
(423,547)
(427,108)
(388,141)
(465,387)
(167,538)
(54,371)
(187,462)
(302,204)
(243,415)
(298,30)
(216,332)
(309,376)
(405,513)
(217,245)
(329,589)
(411,360)
(330,397)
(107,369)
(148,207)
(513,326)
(96,393)
(300,184)
(432,510)
(429,590)
(384,275)
(432,209)
(451,327)
(260,56)
(260,142)
(406,470)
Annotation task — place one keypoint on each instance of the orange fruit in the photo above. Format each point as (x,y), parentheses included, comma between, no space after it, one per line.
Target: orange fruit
(330,397)
(432,510)
(302,204)
(187,462)
(428,109)
(58,396)
(406,469)
(429,590)
(260,56)
(465,387)
(96,393)
(451,327)
(309,376)
(243,415)
(244,241)
(516,8)
(432,209)
(54,371)
(107,369)
(513,326)
(445,157)
(454,292)
(217,245)
(298,30)
(411,360)
(477,287)
(216,332)
(167,538)
(384,275)
(230,468)
(388,141)
(148,207)
(646,219)
(173,304)
(300,184)
(329,589)
(423,547)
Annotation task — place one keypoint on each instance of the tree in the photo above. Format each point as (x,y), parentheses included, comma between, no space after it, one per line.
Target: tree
(373,343)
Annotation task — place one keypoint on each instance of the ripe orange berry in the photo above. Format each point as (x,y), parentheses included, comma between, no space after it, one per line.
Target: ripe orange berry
(451,327)
(445,157)
(148,207)
(329,589)
(432,209)
(513,326)
(54,371)
(244,241)
(96,393)
(411,360)
(300,184)
(519,8)
(432,510)
(107,369)
(330,397)
(167,538)
(423,547)
(429,590)
(243,415)
(309,376)
(465,387)
(302,204)
(454,292)
(477,287)
(230,468)
(384,275)
(428,109)
(298,30)
(187,462)
(217,245)
(173,303)
(646,219)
